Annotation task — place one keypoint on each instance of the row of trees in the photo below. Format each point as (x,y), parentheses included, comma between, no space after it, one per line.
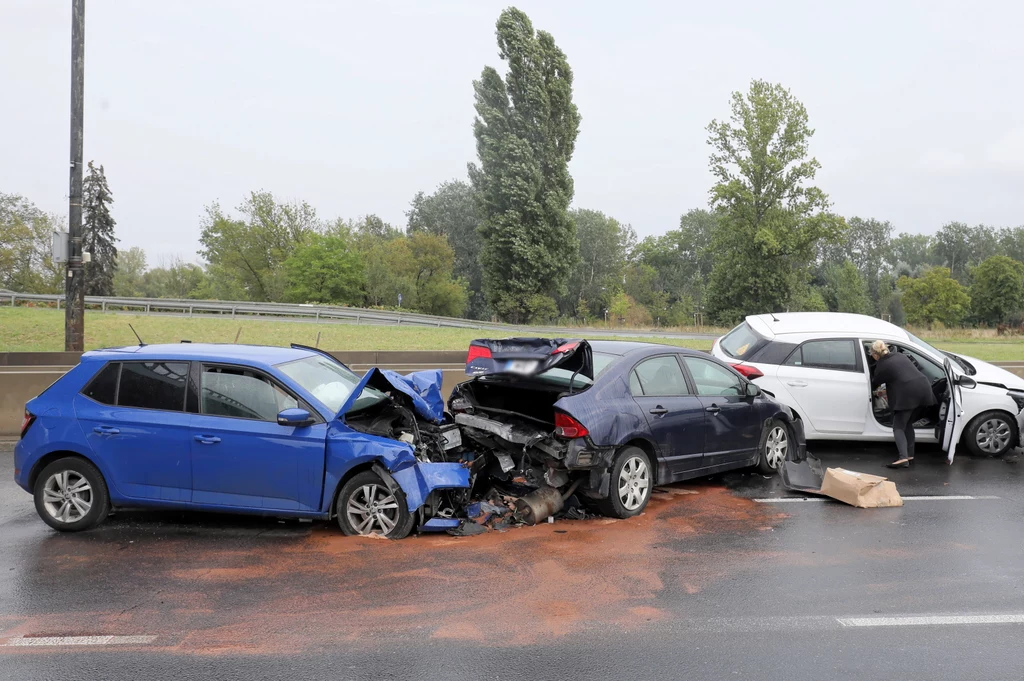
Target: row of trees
(504,243)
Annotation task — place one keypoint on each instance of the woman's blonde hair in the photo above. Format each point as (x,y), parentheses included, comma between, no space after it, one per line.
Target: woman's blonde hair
(880,348)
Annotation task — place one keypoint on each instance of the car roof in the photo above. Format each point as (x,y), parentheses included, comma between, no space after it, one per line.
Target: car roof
(212,352)
(817,323)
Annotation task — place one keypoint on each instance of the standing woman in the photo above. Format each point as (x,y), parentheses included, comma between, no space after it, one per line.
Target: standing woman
(909,393)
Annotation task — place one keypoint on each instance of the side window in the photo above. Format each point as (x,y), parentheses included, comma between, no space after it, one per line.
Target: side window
(634,384)
(927,366)
(837,355)
(713,379)
(103,386)
(241,393)
(660,377)
(153,385)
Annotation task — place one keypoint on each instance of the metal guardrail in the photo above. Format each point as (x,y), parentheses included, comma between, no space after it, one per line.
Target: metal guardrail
(329,313)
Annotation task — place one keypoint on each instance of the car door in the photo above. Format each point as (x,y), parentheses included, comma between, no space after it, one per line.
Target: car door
(827,380)
(241,457)
(134,417)
(953,425)
(675,416)
(732,425)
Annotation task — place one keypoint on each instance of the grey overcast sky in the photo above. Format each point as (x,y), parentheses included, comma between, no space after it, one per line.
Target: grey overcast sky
(356,106)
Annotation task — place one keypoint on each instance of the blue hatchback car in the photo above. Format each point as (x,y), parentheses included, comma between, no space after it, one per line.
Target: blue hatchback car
(247,429)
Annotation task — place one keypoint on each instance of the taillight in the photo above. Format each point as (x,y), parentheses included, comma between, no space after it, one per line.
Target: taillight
(26,422)
(750,372)
(565,347)
(478,352)
(568,427)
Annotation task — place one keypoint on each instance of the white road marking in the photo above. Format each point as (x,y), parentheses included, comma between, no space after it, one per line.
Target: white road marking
(929,620)
(940,497)
(78,641)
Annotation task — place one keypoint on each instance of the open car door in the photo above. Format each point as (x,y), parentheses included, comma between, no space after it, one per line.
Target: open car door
(953,425)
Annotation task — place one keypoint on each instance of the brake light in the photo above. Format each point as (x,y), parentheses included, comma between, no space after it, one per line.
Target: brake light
(568,427)
(565,347)
(478,352)
(26,422)
(748,371)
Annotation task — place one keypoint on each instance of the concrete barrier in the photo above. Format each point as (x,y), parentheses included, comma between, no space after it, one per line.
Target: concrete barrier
(23,375)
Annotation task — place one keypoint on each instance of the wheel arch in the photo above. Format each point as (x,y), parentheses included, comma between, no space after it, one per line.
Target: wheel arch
(649,449)
(50,457)
(349,474)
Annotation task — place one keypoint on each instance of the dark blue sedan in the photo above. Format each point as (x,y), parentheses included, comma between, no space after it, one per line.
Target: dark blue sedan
(609,420)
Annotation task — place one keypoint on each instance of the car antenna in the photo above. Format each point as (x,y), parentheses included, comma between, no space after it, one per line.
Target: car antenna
(141,344)
(774,318)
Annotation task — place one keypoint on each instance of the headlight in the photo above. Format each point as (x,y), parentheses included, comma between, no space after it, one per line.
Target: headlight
(1018,398)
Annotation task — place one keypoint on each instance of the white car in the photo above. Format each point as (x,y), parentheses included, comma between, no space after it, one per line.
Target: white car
(818,364)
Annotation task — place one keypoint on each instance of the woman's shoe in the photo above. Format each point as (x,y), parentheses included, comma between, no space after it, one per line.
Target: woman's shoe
(901,463)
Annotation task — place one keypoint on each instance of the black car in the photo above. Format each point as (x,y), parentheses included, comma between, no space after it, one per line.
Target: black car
(609,420)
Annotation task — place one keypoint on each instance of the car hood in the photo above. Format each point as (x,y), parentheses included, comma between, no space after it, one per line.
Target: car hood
(422,387)
(529,356)
(990,374)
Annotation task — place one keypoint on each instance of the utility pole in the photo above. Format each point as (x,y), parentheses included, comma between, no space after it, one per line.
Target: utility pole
(74,308)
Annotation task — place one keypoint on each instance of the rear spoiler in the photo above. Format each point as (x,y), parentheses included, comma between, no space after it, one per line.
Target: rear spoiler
(529,356)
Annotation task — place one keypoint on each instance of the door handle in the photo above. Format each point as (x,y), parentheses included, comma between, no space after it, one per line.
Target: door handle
(207,439)
(106,430)
(797,384)
(659,410)
(713,409)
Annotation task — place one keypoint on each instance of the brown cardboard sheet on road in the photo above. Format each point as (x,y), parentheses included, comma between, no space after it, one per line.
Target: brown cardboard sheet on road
(860,489)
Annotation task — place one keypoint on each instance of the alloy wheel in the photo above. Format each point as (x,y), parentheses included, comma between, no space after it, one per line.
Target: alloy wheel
(372,509)
(634,481)
(993,436)
(776,446)
(67,496)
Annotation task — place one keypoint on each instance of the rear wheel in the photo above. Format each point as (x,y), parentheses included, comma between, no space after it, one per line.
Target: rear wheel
(775,443)
(632,481)
(991,434)
(367,506)
(71,495)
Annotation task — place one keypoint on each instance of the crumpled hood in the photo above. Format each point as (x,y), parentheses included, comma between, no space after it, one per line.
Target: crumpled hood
(990,373)
(422,387)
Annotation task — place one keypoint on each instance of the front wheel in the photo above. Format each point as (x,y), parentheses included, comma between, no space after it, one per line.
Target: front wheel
(367,506)
(71,495)
(990,434)
(775,443)
(632,481)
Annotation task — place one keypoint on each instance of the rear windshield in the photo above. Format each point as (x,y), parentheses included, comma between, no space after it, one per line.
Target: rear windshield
(563,376)
(741,342)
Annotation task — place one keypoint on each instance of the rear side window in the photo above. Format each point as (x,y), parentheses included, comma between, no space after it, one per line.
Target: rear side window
(103,387)
(741,342)
(713,379)
(661,377)
(153,385)
(837,355)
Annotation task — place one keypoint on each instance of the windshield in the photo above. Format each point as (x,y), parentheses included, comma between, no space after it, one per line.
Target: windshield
(741,342)
(329,382)
(563,376)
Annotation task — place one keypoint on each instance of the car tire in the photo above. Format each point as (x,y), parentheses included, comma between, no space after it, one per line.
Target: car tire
(775,442)
(631,484)
(71,495)
(366,506)
(992,433)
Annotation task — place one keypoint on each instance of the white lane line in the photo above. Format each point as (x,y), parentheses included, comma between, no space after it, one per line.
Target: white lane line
(929,620)
(940,497)
(78,641)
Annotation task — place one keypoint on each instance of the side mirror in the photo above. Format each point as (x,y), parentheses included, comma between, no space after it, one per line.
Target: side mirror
(966,382)
(295,418)
(753,390)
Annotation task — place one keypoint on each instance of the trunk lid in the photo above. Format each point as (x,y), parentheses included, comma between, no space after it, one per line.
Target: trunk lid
(529,356)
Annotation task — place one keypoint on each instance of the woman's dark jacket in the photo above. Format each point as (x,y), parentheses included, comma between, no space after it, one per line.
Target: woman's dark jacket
(905,385)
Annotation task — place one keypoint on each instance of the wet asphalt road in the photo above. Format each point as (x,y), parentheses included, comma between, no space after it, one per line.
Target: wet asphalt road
(707,584)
